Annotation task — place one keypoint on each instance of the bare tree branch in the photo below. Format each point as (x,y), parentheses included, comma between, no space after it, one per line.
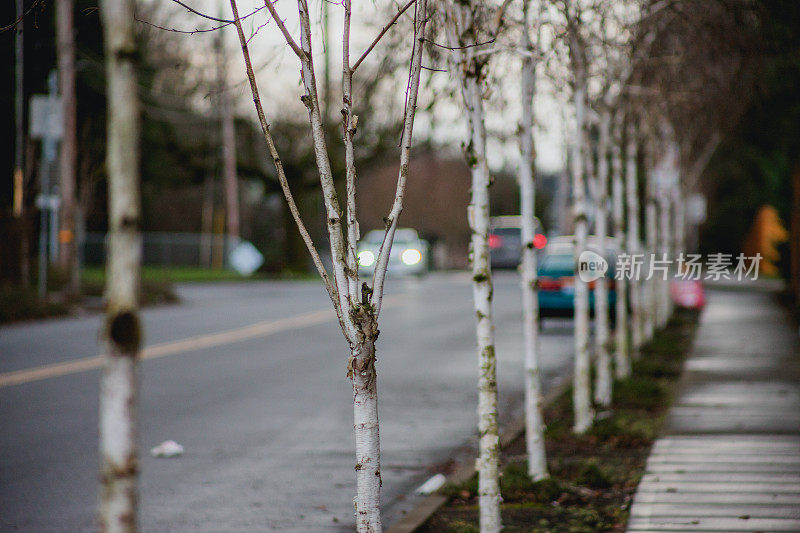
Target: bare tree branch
(381,34)
(349,126)
(379,277)
(198,30)
(209,17)
(286,35)
(454,48)
(332,207)
(332,292)
(20,19)
(699,164)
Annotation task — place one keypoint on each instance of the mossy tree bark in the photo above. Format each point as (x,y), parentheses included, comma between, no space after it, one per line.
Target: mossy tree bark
(534,420)
(463,26)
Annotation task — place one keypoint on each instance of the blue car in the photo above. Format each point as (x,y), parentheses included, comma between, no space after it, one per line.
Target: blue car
(556,284)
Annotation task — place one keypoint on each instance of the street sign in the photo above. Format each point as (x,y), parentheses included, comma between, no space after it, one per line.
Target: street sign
(245,258)
(48,201)
(46,120)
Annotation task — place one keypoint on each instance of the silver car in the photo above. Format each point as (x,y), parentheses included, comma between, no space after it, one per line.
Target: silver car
(505,240)
(409,257)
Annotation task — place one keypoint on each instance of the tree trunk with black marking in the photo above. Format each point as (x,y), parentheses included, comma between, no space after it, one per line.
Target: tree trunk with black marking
(122,332)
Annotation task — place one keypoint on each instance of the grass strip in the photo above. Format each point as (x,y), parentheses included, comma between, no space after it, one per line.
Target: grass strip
(593,476)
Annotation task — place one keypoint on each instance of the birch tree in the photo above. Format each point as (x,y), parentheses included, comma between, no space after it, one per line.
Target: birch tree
(534,421)
(603,374)
(634,246)
(622,362)
(618,60)
(122,331)
(578,62)
(666,177)
(357,304)
(651,244)
(466,26)
(698,79)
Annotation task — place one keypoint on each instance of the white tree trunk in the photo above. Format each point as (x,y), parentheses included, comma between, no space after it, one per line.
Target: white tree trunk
(652,290)
(603,376)
(665,249)
(122,332)
(633,241)
(478,215)
(365,423)
(679,221)
(461,28)
(622,364)
(581,391)
(534,421)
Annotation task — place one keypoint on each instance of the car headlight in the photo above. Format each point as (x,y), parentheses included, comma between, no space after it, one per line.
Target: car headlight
(411,257)
(366,258)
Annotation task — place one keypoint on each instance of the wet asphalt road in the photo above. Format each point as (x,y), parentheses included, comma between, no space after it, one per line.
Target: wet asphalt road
(266,419)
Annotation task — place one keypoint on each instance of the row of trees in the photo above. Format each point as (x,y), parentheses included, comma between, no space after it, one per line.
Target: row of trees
(631,138)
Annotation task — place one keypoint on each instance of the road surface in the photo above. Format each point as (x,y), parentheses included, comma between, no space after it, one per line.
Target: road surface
(250,379)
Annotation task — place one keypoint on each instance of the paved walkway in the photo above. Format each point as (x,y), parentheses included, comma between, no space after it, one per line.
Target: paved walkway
(729,459)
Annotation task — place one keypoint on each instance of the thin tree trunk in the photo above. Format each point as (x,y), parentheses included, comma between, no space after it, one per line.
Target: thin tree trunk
(122,333)
(679,220)
(207,221)
(651,237)
(665,248)
(68,256)
(633,244)
(357,317)
(230,177)
(581,391)
(534,421)
(19,145)
(461,29)
(482,288)
(603,378)
(622,364)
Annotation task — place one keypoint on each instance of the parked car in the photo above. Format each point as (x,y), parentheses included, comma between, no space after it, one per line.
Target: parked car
(410,254)
(556,276)
(505,240)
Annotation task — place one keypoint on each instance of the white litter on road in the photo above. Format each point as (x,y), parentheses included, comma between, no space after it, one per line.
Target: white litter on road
(168,448)
(432,485)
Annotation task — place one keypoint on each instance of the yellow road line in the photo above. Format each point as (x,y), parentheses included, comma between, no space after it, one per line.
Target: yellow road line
(259,329)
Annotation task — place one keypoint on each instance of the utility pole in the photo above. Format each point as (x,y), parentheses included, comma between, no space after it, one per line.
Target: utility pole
(228,147)
(65,44)
(19,140)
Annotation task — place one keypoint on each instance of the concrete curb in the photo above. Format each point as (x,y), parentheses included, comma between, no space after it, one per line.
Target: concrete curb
(432,503)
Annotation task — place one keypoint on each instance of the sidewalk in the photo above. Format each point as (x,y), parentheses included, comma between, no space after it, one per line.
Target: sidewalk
(729,459)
